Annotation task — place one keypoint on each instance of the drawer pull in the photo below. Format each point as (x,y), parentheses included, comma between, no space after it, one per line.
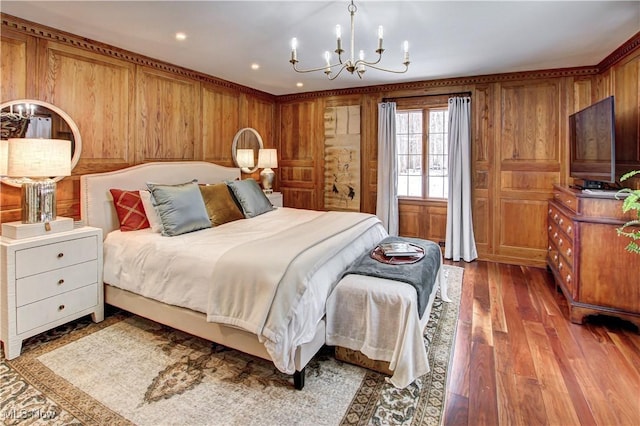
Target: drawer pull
(568,279)
(60,281)
(555,236)
(568,252)
(561,221)
(549,212)
(569,229)
(549,227)
(555,217)
(61,307)
(560,266)
(60,255)
(560,242)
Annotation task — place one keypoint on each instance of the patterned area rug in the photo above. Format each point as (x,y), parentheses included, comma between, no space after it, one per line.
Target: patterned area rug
(127,370)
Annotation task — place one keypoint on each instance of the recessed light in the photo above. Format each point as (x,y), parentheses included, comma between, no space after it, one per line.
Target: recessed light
(255,66)
(299,84)
(181,36)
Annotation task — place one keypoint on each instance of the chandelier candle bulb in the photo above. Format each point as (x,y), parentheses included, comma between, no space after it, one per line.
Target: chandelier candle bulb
(339,39)
(380,32)
(406,52)
(294,46)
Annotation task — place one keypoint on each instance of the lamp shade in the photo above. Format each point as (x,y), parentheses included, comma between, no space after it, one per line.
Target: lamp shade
(245,158)
(37,158)
(4,147)
(268,158)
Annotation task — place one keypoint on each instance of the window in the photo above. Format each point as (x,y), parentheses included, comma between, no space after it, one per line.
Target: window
(422,149)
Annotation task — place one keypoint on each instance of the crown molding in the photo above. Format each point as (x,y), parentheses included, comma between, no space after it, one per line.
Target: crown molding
(47,33)
(620,53)
(429,85)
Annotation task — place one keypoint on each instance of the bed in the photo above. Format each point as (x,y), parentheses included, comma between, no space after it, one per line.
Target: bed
(289,337)
(191,281)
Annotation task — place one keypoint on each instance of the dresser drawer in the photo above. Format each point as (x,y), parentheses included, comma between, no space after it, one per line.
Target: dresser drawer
(44,258)
(36,287)
(562,220)
(57,307)
(566,275)
(567,198)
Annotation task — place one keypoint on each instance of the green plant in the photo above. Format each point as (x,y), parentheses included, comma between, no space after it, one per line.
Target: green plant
(631,229)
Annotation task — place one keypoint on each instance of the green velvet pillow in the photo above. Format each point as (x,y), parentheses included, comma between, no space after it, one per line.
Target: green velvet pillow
(180,207)
(221,207)
(250,197)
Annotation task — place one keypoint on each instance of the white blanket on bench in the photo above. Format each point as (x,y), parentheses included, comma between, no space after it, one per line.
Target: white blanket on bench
(379,318)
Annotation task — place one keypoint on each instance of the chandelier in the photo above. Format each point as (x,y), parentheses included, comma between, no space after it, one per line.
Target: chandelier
(352,65)
(21,112)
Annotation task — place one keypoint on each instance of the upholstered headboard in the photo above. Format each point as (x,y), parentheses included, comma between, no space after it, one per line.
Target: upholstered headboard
(96,203)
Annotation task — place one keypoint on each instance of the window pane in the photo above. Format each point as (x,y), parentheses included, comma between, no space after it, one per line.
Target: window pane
(437,187)
(415,165)
(402,122)
(403,186)
(415,122)
(436,143)
(415,186)
(402,142)
(402,164)
(415,144)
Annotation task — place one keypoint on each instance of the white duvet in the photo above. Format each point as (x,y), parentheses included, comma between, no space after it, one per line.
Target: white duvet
(288,268)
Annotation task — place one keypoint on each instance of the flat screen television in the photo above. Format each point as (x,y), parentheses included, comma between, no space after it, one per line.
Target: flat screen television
(592,143)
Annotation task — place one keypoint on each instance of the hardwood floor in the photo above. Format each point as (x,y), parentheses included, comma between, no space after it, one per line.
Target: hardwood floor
(518,360)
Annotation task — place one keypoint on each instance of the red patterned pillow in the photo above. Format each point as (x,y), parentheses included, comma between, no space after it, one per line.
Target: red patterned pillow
(129,209)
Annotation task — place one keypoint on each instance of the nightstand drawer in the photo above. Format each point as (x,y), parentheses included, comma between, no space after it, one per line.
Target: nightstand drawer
(54,308)
(36,287)
(44,258)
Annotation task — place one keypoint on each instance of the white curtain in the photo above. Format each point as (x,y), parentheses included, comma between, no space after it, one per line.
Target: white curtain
(460,242)
(387,199)
(39,127)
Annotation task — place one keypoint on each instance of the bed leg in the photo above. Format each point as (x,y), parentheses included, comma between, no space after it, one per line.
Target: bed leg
(298,379)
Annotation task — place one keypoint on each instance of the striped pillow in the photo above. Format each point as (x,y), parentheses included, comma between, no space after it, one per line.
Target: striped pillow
(129,209)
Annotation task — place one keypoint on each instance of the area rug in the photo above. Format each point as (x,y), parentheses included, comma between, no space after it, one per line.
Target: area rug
(128,370)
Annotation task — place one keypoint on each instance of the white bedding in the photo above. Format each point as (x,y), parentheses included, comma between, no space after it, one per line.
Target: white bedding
(180,270)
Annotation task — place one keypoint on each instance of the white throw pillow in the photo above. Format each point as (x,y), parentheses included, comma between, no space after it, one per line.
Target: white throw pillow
(150,211)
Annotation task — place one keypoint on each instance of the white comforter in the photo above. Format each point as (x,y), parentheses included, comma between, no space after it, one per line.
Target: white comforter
(190,270)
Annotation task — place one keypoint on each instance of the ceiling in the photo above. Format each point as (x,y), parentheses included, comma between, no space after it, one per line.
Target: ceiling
(446,38)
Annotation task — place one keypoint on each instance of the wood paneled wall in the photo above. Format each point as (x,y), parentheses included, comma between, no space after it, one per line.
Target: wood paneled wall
(132,109)
(519,147)
(129,109)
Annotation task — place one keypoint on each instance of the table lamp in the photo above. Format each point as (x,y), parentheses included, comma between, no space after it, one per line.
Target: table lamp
(245,158)
(35,162)
(267,158)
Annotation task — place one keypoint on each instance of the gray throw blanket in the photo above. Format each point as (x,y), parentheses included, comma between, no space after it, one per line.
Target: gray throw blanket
(421,274)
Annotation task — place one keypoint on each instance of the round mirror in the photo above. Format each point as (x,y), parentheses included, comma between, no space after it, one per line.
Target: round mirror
(246,139)
(31,118)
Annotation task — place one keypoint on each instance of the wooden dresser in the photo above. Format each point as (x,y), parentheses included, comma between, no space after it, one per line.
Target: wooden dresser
(588,258)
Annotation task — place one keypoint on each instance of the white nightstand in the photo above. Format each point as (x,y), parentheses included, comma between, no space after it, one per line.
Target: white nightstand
(48,280)
(275,198)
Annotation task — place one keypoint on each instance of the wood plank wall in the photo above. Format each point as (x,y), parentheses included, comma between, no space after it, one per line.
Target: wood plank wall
(132,109)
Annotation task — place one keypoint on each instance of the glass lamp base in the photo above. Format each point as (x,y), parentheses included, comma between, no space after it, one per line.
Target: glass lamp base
(38,201)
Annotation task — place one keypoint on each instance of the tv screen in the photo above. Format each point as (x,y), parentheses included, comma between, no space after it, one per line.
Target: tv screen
(592,144)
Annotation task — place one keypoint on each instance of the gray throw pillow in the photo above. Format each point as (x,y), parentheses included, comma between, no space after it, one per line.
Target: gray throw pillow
(180,207)
(250,197)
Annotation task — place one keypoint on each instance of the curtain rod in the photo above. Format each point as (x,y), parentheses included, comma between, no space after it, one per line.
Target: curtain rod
(423,96)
